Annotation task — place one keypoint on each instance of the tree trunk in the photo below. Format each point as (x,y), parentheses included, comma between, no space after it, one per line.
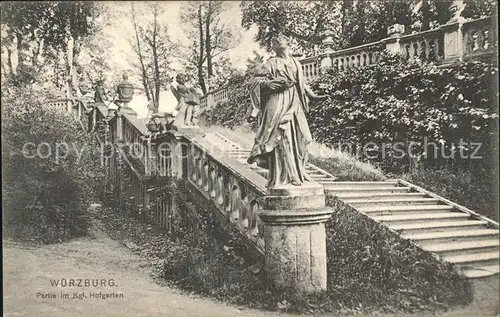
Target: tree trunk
(141,58)
(76,66)
(69,79)
(20,51)
(155,59)
(201,80)
(208,41)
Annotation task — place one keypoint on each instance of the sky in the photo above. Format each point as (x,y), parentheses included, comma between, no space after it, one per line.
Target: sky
(120,32)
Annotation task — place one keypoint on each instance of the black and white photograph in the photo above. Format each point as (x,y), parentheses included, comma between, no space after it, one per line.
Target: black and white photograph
(250,158)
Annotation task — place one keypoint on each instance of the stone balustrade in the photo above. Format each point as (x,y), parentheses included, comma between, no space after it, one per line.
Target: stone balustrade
(448,43)
(479,37)
(139,164)
(428,46)
(232,188)
(218,179)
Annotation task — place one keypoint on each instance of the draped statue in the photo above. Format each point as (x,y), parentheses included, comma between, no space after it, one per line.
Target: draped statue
(281,95)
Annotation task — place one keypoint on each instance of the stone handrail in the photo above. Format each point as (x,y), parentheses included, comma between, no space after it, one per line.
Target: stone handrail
(282,224)
(126,129)
(231,187)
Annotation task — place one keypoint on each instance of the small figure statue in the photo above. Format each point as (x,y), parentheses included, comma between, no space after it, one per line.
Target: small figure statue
(187,99)
(99,95)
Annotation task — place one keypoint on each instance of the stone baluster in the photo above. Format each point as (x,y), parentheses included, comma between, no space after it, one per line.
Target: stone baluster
(206,174)
(213,180)
(199,170)
(151,158)
(220,189)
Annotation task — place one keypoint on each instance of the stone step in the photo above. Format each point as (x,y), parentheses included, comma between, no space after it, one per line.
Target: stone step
(463,247)
(363,185)
(350,192)
(391,202)
(481,271)
(427,238)
(381,196)
(439,226)
(473,260)
(405,209)
(420,217)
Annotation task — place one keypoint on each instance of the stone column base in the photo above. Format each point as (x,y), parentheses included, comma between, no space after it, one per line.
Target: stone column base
(295,239)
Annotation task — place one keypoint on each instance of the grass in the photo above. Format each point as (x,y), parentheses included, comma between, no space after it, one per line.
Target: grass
(473,190)
(341,164)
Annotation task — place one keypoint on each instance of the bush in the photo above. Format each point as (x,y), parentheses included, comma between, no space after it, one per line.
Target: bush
(403,105)
(45,199)
(397,101)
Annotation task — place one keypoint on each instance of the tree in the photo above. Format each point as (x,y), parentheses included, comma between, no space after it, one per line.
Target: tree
(303,21)
(42,31)
(153,48)
(352,22)
(209,38)
(475,9)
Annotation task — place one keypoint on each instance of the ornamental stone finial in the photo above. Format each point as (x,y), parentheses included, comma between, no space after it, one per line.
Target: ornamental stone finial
(395,30)
(328,41)
(456,8)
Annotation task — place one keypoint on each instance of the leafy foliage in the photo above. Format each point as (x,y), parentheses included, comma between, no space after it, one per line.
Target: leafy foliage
(209,39)
(475,9)
(350,23)
(39,32)
(396,101)
(45,198)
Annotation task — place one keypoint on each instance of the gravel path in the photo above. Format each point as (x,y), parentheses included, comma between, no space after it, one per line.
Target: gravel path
(28,271)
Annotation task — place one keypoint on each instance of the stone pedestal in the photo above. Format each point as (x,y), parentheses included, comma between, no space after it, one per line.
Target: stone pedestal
(125,109)
(177,156)
(453,48)
(294,236)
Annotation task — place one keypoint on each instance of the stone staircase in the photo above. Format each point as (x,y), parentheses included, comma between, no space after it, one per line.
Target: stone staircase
(452,232)
(235,151)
